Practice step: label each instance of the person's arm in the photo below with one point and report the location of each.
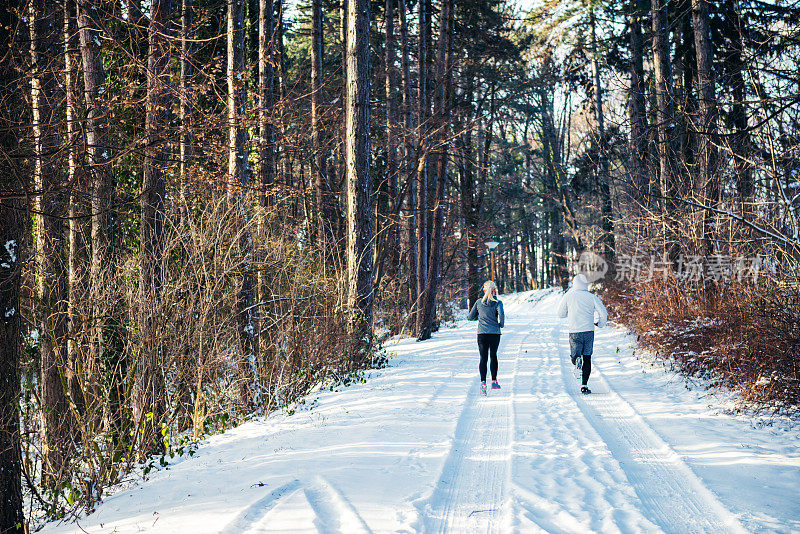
(501, 316)
(473, 313)
(601, 311)
(561, 311)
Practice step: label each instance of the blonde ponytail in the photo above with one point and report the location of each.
(489, 292)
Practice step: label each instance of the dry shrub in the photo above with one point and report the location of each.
(746, 338)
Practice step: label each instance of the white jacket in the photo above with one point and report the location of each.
(578, 305)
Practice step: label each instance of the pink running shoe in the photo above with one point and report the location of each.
(483, 388)
(495, 385)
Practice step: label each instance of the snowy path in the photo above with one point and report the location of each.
(416, 450)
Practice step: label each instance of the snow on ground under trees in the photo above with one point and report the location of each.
(415, 449)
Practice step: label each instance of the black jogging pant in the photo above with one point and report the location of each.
(487, 344)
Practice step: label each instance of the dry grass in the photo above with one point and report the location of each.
(746, 338)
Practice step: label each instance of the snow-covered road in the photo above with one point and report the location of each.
(415, 449)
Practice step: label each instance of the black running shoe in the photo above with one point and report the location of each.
(585, 390)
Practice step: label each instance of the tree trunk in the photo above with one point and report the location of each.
(665, 113)
(185, 112)
(106, 343)
(266, 145)
(739, 143)
(391, 139)
(606, 210)
(321, 223)
(607, 220)
(12, 231)
(442, 112)
(238, 181)
(359, 181)
(149, 388)
(410, 215)
(641, 184)
(77, 259)
(422, 166)
(707, 116)
(51, 271)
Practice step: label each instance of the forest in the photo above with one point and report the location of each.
(210, 207)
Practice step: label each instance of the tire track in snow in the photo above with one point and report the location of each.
(673, 496)
(249, 519)
(565, 479)
(471, 494)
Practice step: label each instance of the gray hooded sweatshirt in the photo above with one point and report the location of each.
(490, 316)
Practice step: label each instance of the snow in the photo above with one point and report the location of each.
(416, 449)
(11, 247)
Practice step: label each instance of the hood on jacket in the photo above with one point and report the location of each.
(580, 283)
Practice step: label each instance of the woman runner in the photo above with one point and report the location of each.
(488, 311)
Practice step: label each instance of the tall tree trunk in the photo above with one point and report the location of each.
(238, 181)
(12, 230)
(185, 111)
(606, 210)
(51, 271)
(739, 141)
(641, 184)
(266, 145)
(106, 350)
(442, 111)
(321, 222)
(77, 259)
(665, 115)
(359, 181)
(707, 115)
(149, 388)
(422, 165)
(391, 137)
(409, 215)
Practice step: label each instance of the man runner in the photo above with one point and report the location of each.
(579, 306)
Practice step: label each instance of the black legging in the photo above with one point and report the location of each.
(586, 369)
(488, 343)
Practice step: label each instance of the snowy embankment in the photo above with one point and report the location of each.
(415, 449)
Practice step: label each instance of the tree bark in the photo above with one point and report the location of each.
(77, 258)
(321, 223)
(49, 207)
(442, 111)
(106, 343)
(740, 142)
(606, 209)
(359, 181)
(392, 173)
(641, 184)
(12, 231)
(665, 107)
(707, 115)
(238, 181)
(409, 215)
(149, 388)
(185, 112)
(422, 165)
